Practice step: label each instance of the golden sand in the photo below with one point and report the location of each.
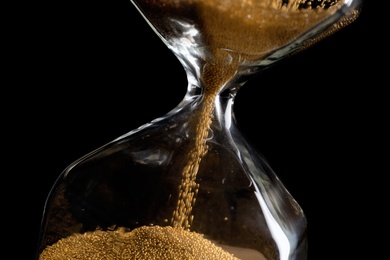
(165, 243)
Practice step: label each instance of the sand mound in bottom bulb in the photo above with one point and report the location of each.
(153, 242)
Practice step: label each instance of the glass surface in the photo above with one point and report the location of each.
(188, 185)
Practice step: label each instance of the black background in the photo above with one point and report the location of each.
(85, 72)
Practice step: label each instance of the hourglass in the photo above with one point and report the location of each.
(188, 185)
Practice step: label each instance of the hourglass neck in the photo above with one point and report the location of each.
(222, 72)
(211, 94)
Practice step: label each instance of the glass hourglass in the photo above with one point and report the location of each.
(188, 185)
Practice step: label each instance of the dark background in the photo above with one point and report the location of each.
(90, 71)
